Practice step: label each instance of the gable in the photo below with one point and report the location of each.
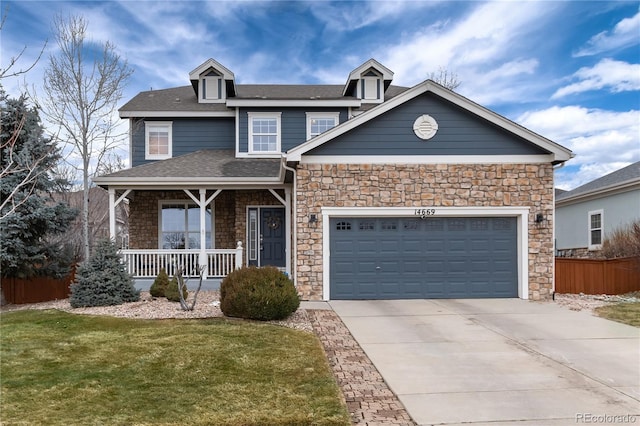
(460, 132)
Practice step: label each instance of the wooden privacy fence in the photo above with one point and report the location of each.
(597, 276)
(36, 289)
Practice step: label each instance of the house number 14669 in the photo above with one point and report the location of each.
(425, 212)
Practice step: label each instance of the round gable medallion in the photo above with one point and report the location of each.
(425, 127)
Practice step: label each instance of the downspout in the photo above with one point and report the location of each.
(294, 249)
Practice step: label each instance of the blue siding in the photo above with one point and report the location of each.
(459, 133)
(293, 123)
(189, 135)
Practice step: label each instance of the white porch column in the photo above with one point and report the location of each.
(287, 229)
(203, 233)
(112, 214)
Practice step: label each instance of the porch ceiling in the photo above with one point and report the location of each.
(200, 167)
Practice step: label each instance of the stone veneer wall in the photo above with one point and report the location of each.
(442, 185)
(143, 218)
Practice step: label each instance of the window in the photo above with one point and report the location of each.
(371, 88)
(595, 230)
(264, 132)
(158, 140)
(180, 226)
(211, 88)
(320, 122)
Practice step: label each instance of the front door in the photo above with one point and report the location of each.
(269, 236)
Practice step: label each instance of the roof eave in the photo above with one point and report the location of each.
(613, 189)
(138, 114)
(560, 153)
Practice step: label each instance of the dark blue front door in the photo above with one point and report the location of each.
(271, 237)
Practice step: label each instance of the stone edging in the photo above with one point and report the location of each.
(368, 398)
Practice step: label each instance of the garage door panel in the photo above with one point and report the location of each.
(390, 258)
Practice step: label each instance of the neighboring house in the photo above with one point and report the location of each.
(587, 214)
(358, 191)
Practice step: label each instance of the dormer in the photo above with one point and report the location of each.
(368, 82)
(213, 82)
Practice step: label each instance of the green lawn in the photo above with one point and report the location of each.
(66, 369)
(627, 313)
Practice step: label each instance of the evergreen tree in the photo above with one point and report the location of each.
(28, 214)
(103, 280)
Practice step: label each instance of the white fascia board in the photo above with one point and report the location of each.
(211, 63)
(559, 153)
(387, 74)
(231, 102)
(187, 114)
(425, 159)
(161, 182)
(618, 188)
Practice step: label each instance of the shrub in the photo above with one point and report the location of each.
(622, 242)
(102, 280)
(258, 293)
(160, 284)
(171, 291)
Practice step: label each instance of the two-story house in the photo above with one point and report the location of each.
(358, 191)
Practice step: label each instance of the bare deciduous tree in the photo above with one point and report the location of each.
(446, 78)
(10, 164)
(83, 84)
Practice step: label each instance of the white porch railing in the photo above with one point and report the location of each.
(148, 263)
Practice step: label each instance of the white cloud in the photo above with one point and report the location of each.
(617, 76)
(623, 35)
(483, 48)
(601, 140)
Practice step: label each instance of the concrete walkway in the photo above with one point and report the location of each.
(500, 361)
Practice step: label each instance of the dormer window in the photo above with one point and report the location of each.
(370, 86)
(368, 82)
(212, 82)
(211, 87)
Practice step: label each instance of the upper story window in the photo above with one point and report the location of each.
(264, 132)
(157, 140)
(320, 122)
(370, 86)
(595, 230)
(212, 87)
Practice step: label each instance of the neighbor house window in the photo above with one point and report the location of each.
(595, 230)
(180, 226)
(264, 132)
(320, 122)
(158, 140)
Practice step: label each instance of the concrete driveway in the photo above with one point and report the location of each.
(500, 361)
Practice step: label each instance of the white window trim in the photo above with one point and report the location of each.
(190, 203)
(201, 89)
(278, 118)
(589, 229)
(376, 99)
(521, 213)
(314, 115)
(147, 125)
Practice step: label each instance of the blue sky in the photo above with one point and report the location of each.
(569, 70)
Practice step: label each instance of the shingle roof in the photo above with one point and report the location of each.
(183, 99)
(213, 164)
(626, 174)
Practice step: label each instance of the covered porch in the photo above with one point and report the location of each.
(222, 214)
